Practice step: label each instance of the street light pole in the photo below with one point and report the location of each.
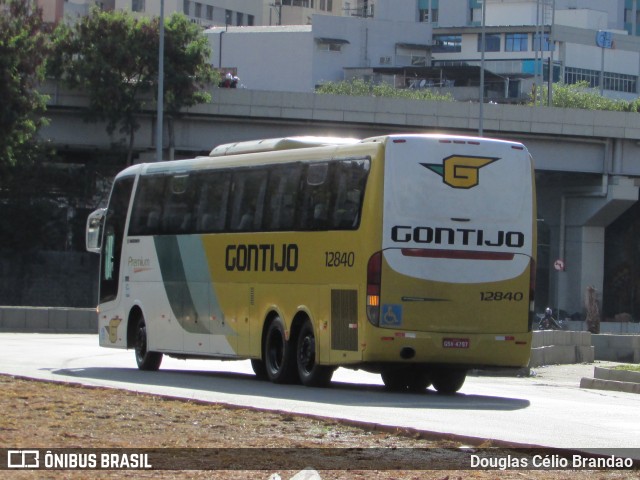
(482, 49)
(159, 119)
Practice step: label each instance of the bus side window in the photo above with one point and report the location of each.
(282, 197)
(177, 217)
(147, 206)
(316, 197)
(350, 181)
(212, 201)
(249, 187)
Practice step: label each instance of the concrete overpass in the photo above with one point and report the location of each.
(587, 162)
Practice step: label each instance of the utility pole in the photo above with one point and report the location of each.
(482, 49)
(159, 114)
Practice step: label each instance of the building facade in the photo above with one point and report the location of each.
(315, 53)
(248, 13)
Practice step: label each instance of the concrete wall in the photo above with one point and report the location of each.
(617, 348)
(550, 347)
(48, 320)
(51, 279)
(607, 327)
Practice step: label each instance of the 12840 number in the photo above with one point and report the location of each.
(339, 259)
(501, 296)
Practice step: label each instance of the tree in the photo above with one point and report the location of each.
(114, 58)
(186, 69)
(110, 56)
(23, 48)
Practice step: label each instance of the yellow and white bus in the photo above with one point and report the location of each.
(407, 255)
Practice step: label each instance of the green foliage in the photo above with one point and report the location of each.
(187, 71)
(579, 95)
(113, 56)
(358, 87)
(23, 47)
(110, 56)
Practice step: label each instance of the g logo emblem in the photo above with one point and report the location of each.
(460, 171)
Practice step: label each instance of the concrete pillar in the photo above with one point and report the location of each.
(584, 217)
(584, 261)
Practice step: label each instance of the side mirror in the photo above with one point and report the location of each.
(95, 222)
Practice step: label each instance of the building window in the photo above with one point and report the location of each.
(198, 12)
(137, 5)
(516, 42)
(475, 16)
(491, 42)
(251, 20)
(186, 7)
(628, 15)
(424, 15)
(239, 18)
(330, 44)
(546, 46)
(411, 55)
(447, 44)
(618, 82)
(209, 12)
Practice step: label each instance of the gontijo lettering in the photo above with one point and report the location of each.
(264, 257)
(456, 236)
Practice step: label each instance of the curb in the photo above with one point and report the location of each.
(613, 380)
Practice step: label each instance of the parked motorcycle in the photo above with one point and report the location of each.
(547, 322)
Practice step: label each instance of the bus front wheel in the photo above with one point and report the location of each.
(145, 359)
(311, 374)
(448, 381)
(279, 357)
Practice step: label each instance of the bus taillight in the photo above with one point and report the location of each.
(374, 276)
(532, 293)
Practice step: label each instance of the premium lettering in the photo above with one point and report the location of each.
(264, 257)
(456, 236)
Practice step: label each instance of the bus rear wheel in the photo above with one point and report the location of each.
(146, 360)
(410, 379)
(259, 369)
(279, 356)
(448, 381)
(310, 372)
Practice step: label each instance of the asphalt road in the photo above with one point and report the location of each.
(548, 409)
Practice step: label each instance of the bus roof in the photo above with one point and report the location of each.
(284, 143)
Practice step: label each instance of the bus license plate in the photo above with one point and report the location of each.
(455, 343)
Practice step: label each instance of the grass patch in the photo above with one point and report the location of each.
(628, 367)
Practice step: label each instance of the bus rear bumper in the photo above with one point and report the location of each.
(469, 350)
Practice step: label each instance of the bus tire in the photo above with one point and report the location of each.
(310, 372)
(406, 379)
(149, 361)
(419, 380)
(279, 356)
(448, 381)
(394, 379)
(259, 369)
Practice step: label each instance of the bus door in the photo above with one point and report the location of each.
(110, 262)
(458, 235)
